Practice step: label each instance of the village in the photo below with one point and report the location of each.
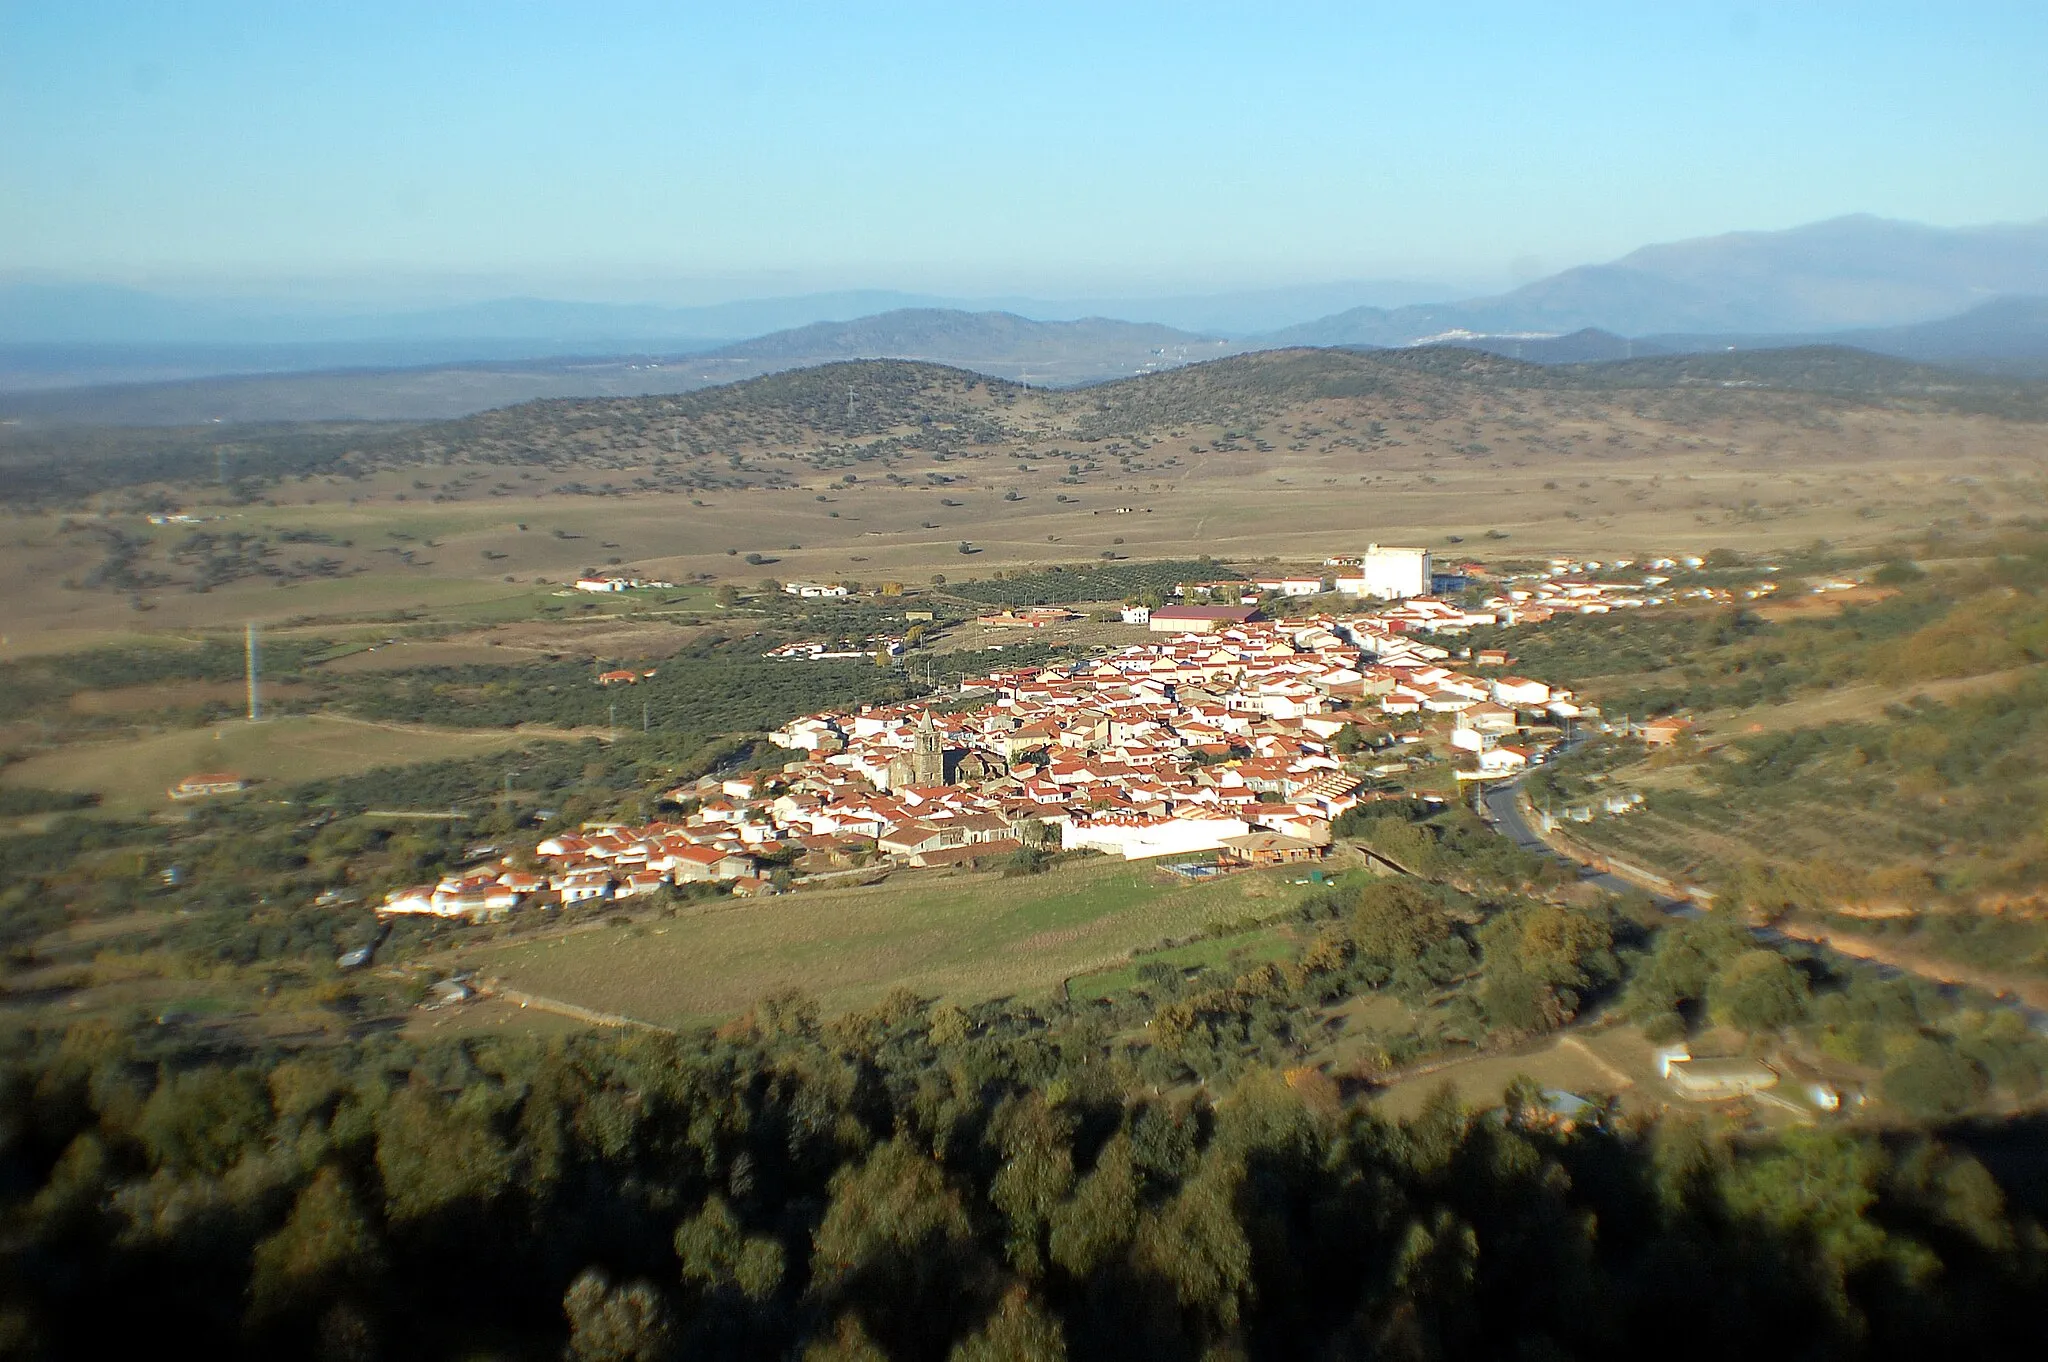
(1224, 736)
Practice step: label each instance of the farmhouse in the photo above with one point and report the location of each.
(208, 783)
(1664, 732)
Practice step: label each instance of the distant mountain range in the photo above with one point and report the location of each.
(2004, 336)
(1957, 296)
(1840, 275)
(1001, 344)
(115, 324)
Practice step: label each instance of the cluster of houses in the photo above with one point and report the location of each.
(605, 583)
(1219, 734)
(1593, 587)
(840, 650)
(1236, 742)
(612, 862)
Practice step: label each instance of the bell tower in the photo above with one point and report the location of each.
(928, 761)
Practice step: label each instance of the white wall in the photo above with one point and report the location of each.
(1175, 837)
(1396, 574)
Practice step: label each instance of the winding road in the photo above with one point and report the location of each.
(1502, 808)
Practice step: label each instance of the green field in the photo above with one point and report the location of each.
(131, 775)
(1240, 951)
(965, 937)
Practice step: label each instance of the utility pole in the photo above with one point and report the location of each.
(643, 716)
(251, 655)
(612, 720)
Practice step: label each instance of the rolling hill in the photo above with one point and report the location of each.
(996, 343)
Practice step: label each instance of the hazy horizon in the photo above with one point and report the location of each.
(384, 156)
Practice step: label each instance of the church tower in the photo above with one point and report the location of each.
(928, 761)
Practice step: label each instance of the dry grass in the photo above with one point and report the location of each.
(1580, 474)
(1852, 704)
(131, 775)
(966, 937)
(1608, 1062)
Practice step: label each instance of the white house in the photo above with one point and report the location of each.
(582, 886)
(1291, 586)
(1503, 760)
(1141, 837)
(1520, 690)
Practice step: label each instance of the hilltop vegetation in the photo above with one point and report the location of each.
(932, 1182)
(803, 411)
(772, 431)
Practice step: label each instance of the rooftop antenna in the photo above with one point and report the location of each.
(252, 652)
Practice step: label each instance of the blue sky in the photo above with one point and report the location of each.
(688, 152)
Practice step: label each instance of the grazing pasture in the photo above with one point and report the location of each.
(964, 937)
(131, 775)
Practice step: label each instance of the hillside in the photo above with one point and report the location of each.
(1434, 379)
(771, 429)
(801, 413)
(997, 343)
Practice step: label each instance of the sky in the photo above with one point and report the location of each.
(687, 153)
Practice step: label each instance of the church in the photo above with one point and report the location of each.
(931, 762)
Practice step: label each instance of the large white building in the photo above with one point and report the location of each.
(1138, 837)
(1392, 574)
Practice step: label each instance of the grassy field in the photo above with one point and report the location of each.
(1239, 952)
(966, 937)
(1498, 472)
(132, 775)
(1606, 1063)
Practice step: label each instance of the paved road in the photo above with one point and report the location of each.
(1503, 811)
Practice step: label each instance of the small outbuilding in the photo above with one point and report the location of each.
(1268, 848)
